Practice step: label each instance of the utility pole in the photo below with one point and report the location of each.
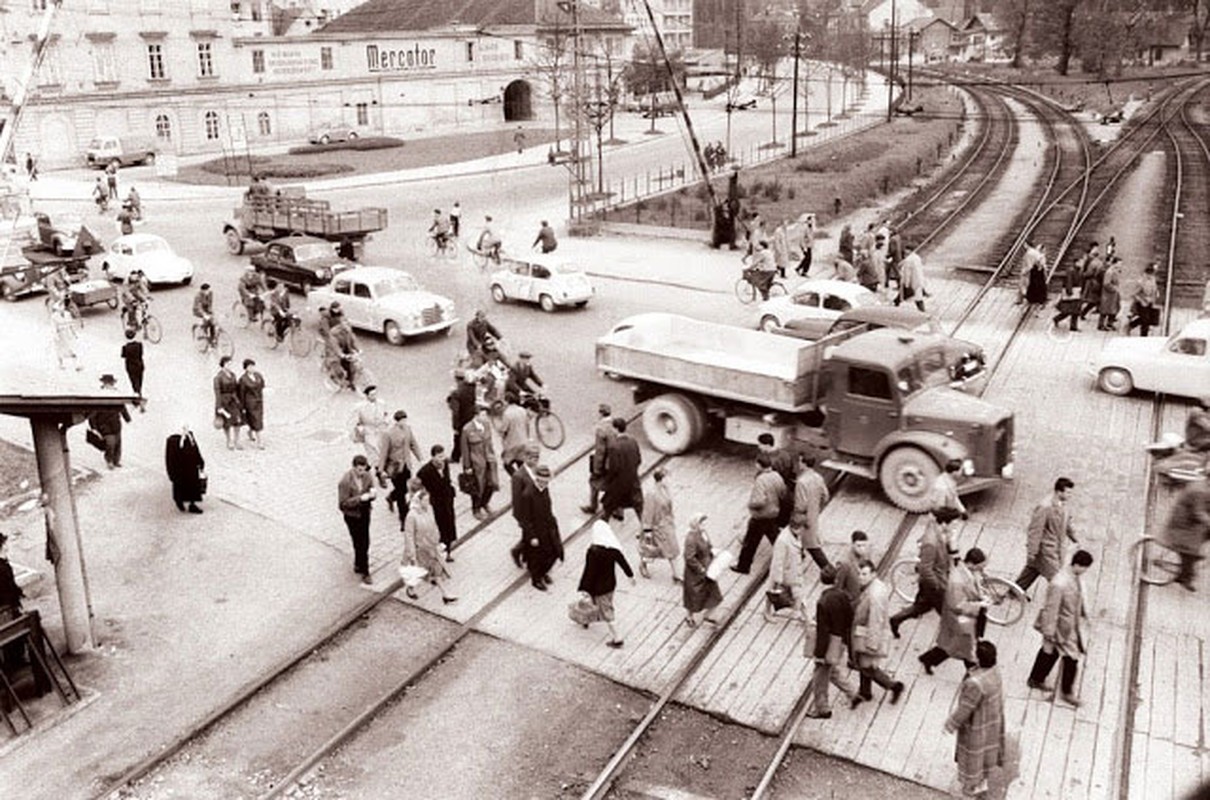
(794, 102)
(577, 150)
(894, 55)
(911, 57)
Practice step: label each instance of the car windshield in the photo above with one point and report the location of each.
(566, 269)
(395, 284)
(314, 251)
(151, 246)
(96, 144)
(865, 299)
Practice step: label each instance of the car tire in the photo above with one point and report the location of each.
(498, 293)
(547, 303)
(325, 139)
(150, 160)
(393, 334)
(1116, 381)
(768, 323)
(187, 281)
(56, 245)
(907, 474)
(235, 242)
(673, 423)
(7, 293)
(352, 136)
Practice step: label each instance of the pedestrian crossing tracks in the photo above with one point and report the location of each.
(757, 670)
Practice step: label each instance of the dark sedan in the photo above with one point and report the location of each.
(300, 262)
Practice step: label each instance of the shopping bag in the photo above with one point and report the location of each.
(583, 611)
(467, 483)
(412, 575)
(780, 597)
(648, 549)
(719, 565)
(95, 439)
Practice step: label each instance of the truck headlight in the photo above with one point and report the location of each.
(968, 467)
(1006, 472)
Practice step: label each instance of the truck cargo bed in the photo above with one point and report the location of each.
(748, 366)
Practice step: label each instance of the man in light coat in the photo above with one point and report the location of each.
(1049, 525)
(1188, 528)
(764, 505)
(602, 434)
(870, 643)
(1060, 623)
(397, 448)
(810, 496)
(932, 569)
(513, 426)
(964, 613)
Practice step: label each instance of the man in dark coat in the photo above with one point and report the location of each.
(623, 488)
(354, 494)
(107, 422)
(132, 357)
(833, 627)
(435, 475)
(523, 487)
(603, 434)
(461, 401)
(186, 469)
(543, 544)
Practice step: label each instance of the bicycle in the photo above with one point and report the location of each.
(298, 342)
(140, 319)
(1159, 564)
(747, 290)
(447, 246)
(484, 257)
(243, 317)
(1008, 601)
(547, 423)
(336, 378)
(215, 339)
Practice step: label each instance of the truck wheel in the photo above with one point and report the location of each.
(769, 323)
(235, 244)
(1115, 380)
(907, 475)
(391, 330)
(673, 423)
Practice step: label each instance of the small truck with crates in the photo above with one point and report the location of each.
(880, 404)
(267, 214)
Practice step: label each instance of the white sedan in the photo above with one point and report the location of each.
(149, 253)
(388, 301)
(548, 284)
(1178, 364)
(823, 300)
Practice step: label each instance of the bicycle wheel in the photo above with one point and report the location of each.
(152, 330)
(745, 291)
(430, 246)
(331, 373)
(480, 258)
(450, 250)
(777, 288)
(269, 330)
(1159, 564)
(239, 313)
(550, 430)
(905, 579)
(223, 343)
(201, 342)
(1008, 601)
(300, 343)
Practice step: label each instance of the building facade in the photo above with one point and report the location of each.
(209, 76)
(673, 17)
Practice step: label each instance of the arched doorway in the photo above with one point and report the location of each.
(517, 104)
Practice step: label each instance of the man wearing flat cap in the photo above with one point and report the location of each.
(523, 486)
(522, 379)
(396, 449)
(602, 438)
(107, 422)
(543, 544)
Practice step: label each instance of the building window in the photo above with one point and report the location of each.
(211, 122)
(325, 58)
(470, 51)
(205, 60)
(363, 113)
(39, 5)
(49, 70)
(518, 50)
(258, 61)
(163, 127)
(263, 124)
(155, 61)
(103, 64)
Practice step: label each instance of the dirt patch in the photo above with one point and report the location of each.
(18, 473)
(410, 154)
(701, 755)
(854, 170)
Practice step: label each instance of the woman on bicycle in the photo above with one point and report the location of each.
(761, 269)
(251, 287)
(203, 309)
(344, 344)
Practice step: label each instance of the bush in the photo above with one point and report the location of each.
(772, 190)
(237, 166)
(360, 143)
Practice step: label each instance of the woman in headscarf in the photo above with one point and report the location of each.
(226, 402)
(658, 536)
(370, 422)
(599, 578)
(700, 593)
(186, 470)
(422, 541)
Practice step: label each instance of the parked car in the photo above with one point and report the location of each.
(60, 234)
(1177, 364)
(742, 103)
(335, 132)
(19, 277)
(547, 283)
(300, 261)
(122, 150)
(149, 253)
(821, 299)
(905, 318)
(387, 300)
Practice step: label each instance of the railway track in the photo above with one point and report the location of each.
(1188, 240)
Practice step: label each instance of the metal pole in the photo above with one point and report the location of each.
(911, 57)
(890, 94)
(577, 66)
(794, 100)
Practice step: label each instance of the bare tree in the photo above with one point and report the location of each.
(551, 64)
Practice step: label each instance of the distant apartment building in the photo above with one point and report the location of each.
(716, 24)
(209, 76)
(673, 17)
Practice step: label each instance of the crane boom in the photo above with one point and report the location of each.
(9, 131)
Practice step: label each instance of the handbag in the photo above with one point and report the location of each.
(648, 549)
(467, 483)
(780, 596)
(203, 483)
(219, 421)
(719, 565)
(583, 611)
(412, 575)
(95, 439)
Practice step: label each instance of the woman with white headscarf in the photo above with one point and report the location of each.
(599, 578)
(700, 592)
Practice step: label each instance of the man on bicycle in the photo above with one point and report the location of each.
(343, 343)
(251, 288)
(480, 337)
(279, 308)
(135, 295)
(203, 309)
(440, 229)
(489, 242)
(761, 269)
(523, 380)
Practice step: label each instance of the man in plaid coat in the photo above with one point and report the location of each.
(978, 719)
